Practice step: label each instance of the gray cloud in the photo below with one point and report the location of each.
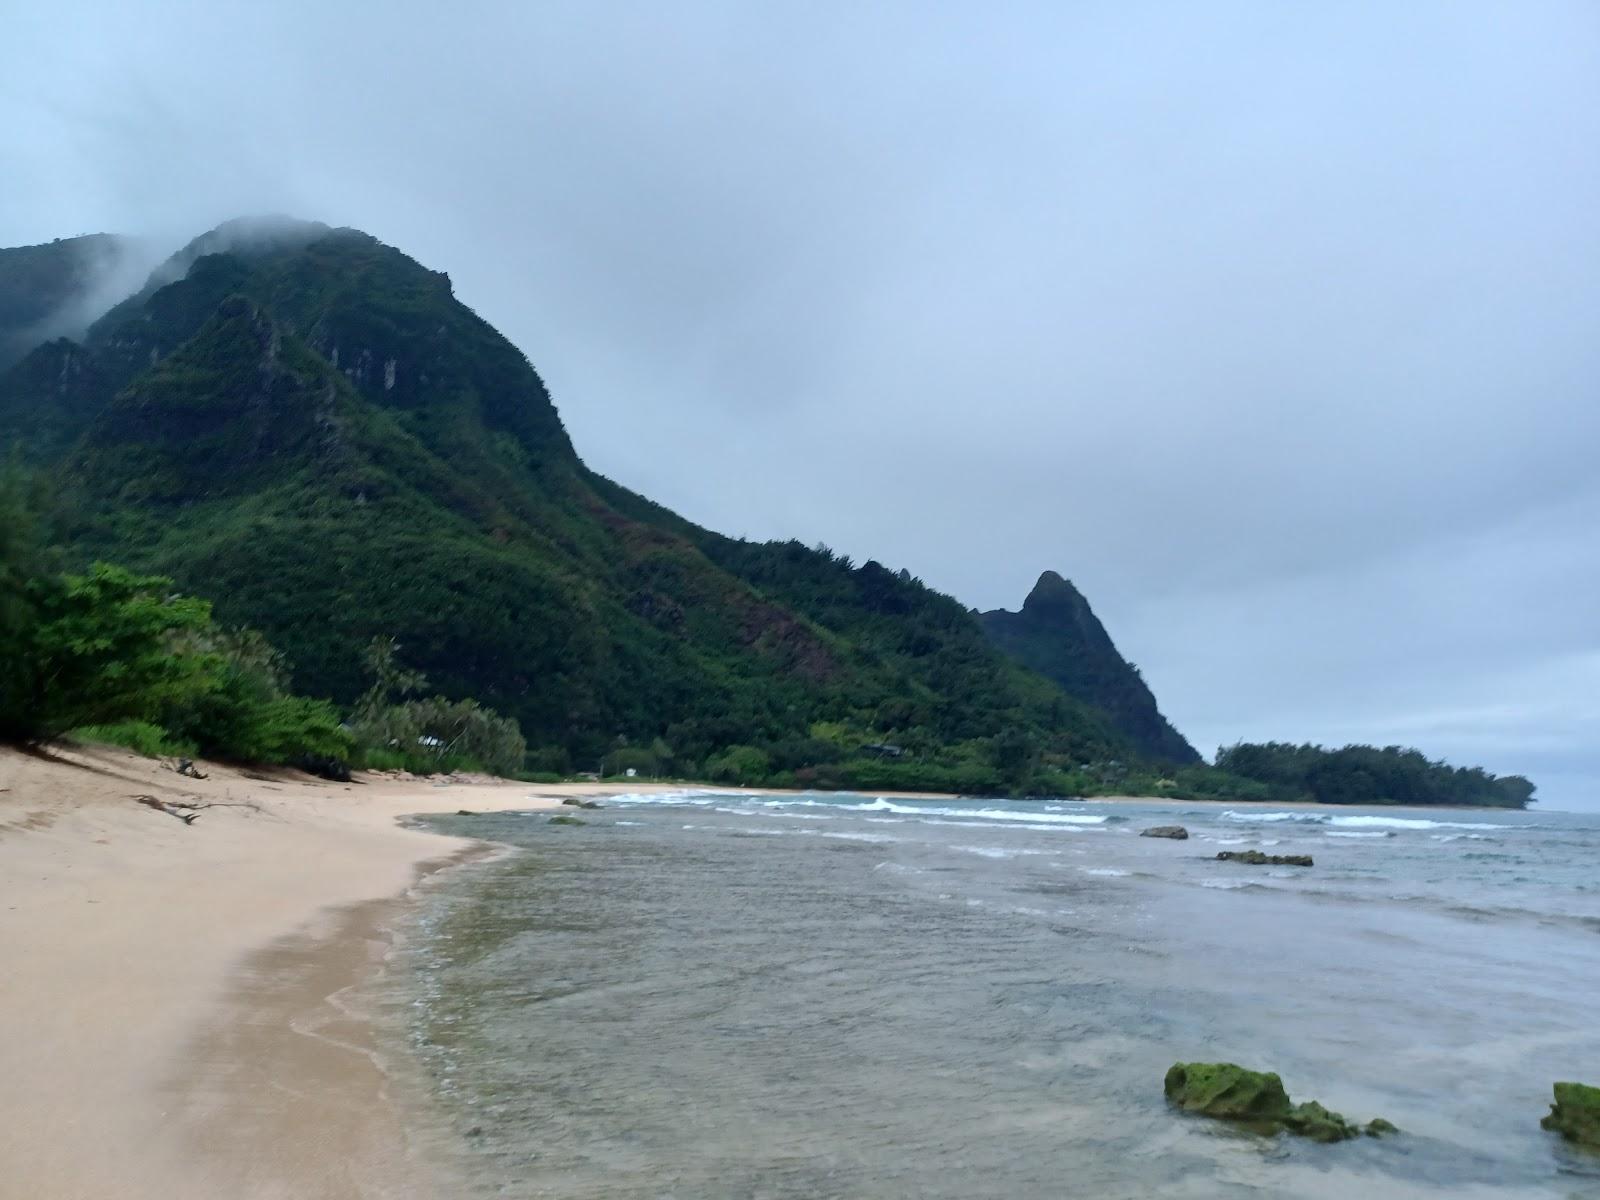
(1272, 327)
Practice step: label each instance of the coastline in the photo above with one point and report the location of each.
(175, 999)
(171, 993)
(172, 998)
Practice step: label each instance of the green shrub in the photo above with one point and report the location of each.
(141, 737)
(380, 758)
(96, 649)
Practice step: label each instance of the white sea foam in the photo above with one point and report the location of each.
(1311, 818)
(862, 837)
(1357, 822)
(681, 796)
(1411, 823)
(1112, 872)
(1225, 885)
(1358, 833)
(1040, 817)
(1000, 851)
(1035, 828)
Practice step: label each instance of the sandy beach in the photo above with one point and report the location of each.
(170, 999)
(173, 999)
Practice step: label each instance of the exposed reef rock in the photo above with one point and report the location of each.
(567, 821)
(1256, 1100)
(1176, 832)
(1575, 1115)
(1257, 859)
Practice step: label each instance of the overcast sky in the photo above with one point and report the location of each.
(1275, 327)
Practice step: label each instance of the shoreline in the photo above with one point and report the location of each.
(171, 994)
(177, 995)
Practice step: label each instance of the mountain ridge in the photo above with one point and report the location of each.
(309, 427)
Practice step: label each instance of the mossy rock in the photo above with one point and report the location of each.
(1228, 1091)
(1257, 859)
(1256, 1099)
(1575, 1115)
(1311, 1120)
(567, 821)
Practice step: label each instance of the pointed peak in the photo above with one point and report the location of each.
(1052, 590)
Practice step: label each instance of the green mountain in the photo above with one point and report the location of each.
(307, 427)
(1058, 635)
(53, 289)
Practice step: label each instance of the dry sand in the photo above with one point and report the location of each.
(171, 1020)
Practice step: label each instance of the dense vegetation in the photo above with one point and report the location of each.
(306, 427)
(124, 656)
(116, 657)
(1058, 635)
(1367, 775)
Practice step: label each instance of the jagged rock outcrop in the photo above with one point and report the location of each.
(1176, 832)
(1057, 634)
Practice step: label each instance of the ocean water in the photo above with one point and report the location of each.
(840, 996)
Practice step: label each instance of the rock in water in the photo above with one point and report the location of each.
(1228, 1091)
(1176, 832)
(1575, 1115)
(1257, 859)
(1256, 1099)
(1311, 1120)
(567, 821)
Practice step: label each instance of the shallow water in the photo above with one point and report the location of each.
(712, 996)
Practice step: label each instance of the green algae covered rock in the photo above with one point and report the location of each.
(1256, 1099)
(1311, 1120)
(1257, 859)
(1227, 1091)
(1575, 1115)
(567, 821)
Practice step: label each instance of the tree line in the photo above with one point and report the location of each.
(1367, 775)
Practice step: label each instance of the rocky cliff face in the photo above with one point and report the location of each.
(1058, 635)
